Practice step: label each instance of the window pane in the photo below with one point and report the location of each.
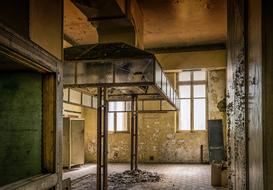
(184, 76)
(128, 106)
(110, 121)
(185, 115)
(75, 96)
(120, 106)
(111, 106)
(199, 91)
(199, 114)
(121, 121)
(86, 100)
(184, 91)
(95, 102)
(199, 75)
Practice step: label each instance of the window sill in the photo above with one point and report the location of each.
(192, 131)
(118, 132)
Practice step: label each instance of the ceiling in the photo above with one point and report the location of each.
(167, 23)
(76, 25)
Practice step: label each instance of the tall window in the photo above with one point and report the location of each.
(192, 95)
(118, 120)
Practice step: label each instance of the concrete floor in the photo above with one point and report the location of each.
(175, 177)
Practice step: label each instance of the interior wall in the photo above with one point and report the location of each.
(192, 60)
(217, 97)
(46, 25)
(21, 126)
(158, 139)
(236, 95)
(70, 110)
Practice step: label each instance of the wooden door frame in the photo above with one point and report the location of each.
(29, 54)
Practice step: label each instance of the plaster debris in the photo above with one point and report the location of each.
(135, 176)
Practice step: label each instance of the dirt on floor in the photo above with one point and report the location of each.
(121, 180)
(172, 177)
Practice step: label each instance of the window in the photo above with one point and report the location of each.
(117, 118)
(192, 97)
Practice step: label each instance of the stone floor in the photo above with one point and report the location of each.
(175, 177)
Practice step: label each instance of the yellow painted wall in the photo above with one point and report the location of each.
(158, 139)
(46, 25)
(192, 60)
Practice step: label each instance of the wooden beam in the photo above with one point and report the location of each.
(18, 48)
(177, 49)
(48, 123)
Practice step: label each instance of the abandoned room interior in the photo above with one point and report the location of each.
(136, 94)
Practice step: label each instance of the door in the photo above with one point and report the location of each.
(215, 140)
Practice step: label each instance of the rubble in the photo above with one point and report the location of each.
(134, 176)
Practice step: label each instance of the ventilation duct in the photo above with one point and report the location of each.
(115, 20)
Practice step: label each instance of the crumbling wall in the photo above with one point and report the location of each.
(236, 95)
(217, 97)
(90, 134)
(158, 139)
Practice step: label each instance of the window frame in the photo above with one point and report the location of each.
(115, 120)
(191, 82)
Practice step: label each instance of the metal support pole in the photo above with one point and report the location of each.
(102, 136)
(105, 139)
(136, 133)
(132, 133)
(99, 127)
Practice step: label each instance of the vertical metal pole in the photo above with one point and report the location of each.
(136, 133)
(201, 153)
(99, 127)
(105, 138)
(132, 133)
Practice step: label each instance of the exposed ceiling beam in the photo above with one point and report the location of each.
(177, 49)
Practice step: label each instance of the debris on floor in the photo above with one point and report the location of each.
(134, 176)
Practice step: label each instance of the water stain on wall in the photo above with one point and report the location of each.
(159, 142)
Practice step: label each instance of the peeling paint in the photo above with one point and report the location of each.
(158, 140)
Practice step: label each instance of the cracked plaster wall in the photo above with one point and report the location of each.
(158, 139)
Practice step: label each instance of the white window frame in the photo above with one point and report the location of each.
(127, 130)
(192, 83)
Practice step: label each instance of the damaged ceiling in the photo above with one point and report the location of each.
(167, 23)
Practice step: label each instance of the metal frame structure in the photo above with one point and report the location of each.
(102, 138)
(134, 133)
(116, 72)
(162, 107)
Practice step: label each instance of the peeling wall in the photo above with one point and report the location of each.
(217, 97)
(158, 139)
(236, 95)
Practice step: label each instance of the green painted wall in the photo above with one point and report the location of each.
(20, 126)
